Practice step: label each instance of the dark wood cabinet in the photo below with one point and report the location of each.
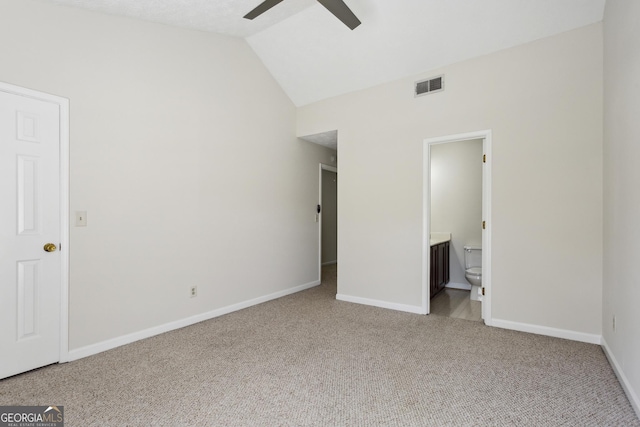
(439, 276)
(432, 271)
(445, 263)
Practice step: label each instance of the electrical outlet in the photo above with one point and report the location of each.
(194, 291)
(614, 323)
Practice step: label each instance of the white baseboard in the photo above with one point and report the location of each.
(382, 304)
(624, 381)
(92, 349)
(330, 262)
(545, 330)
(463, 286)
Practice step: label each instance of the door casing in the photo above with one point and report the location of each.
(485, 135)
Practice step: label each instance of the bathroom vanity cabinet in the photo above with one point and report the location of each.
(439, 267)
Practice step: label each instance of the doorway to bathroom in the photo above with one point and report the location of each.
(457, 226)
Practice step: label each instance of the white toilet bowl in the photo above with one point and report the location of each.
(474, 277)
(473, 270)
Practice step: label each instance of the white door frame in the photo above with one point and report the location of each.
(63, 104)
(485, 135)
(330, 169)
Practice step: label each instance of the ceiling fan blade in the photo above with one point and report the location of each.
(261, 8)
(342, 12)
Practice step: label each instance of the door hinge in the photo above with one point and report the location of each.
(484, 158)
(484, 225)
(483, 290)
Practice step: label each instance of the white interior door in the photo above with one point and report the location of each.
(30, 277)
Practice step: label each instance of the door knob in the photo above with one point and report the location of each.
(49, 247)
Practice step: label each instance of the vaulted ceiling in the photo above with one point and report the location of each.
(314, 56)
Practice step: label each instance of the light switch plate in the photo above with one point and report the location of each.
(81, 218)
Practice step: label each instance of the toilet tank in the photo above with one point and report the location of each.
(472, 256)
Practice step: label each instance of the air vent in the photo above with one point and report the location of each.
(434, 84)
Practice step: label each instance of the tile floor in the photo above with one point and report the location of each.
(456, 303)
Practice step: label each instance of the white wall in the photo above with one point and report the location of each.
(543, 102)
(183, 154)
(329, 217)
(621, 291)
(456, 199)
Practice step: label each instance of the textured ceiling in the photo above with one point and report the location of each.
(218, 16)
(314, 56)
(329, 139)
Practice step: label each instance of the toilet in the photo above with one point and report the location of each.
(473, 270)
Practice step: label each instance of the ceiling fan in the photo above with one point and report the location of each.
(337, 7)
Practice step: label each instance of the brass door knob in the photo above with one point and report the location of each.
(49, 247)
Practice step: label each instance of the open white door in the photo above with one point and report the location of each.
(31, 265)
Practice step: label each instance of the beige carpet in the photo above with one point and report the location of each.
(309, 360)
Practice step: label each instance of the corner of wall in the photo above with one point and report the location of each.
(634, 400)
